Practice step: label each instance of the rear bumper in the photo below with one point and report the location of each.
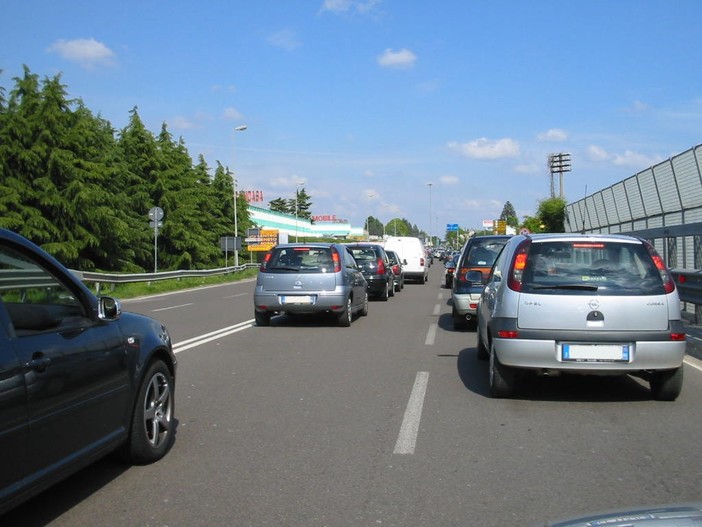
(272, 302)
(539, 349)
(376, 285)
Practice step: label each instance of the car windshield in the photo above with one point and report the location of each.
(602, 267)
(301, 259)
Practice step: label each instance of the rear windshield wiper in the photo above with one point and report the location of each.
(574, 287)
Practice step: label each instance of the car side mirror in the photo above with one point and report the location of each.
(109, 308)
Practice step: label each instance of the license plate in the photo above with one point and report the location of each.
(596, 352)
(297, 299)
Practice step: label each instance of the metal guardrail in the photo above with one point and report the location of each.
(689, 284)
(112, 278)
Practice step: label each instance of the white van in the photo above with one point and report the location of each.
(412, 255)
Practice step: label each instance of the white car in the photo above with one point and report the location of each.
(413, 256)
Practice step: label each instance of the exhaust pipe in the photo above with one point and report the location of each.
(468, 317)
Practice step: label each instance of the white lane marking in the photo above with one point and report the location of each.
(431, 335)
(407, 439)
(209, 337)
(171, 307)
(236, 295)
(441, 295)
(437, 309)
(692, 361)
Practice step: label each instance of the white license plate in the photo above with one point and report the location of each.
(596, 352)
(297, 299)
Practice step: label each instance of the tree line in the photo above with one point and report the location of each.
(82, 190)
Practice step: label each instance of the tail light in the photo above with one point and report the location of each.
(516, 270)
(336, 259)
(381, 266)
(264, 263)
(396, 269)
(421, 262)
(668, 282)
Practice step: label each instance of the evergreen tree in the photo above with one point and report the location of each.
(509, 215)
(280, 205)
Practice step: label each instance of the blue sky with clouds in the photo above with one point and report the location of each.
(367, 102)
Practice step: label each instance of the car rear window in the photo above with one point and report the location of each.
(482, 253)
(605, 268)
(301, 260)
(364, 254)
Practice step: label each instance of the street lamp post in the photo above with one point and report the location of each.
(429, 185)
(297, 197)
(236, 225)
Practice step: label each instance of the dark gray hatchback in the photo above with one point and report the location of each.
(78, 377)
(310, 278)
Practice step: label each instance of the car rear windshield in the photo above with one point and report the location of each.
(364, 254)
(605, 268)
(301, 260)
(482, 253)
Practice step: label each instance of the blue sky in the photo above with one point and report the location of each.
(364, 103)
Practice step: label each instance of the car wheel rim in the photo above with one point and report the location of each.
(157, 410)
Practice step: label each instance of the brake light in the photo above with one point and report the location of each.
(336, 259)
(421, 262)
(381, 266)
(519, 261)
(668, 282)
(396, 269)
(508, 334)
(264, 263)
(677, 336)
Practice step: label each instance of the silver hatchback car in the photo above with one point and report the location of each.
(597, 304)
(310, 278)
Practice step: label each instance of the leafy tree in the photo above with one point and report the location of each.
(551, 213)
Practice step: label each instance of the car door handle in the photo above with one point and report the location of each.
(38, 363)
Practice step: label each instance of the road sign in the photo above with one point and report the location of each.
(452, 227)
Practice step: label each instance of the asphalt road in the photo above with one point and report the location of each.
(385, 423)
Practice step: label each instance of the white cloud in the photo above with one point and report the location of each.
(554, 134)
(527, 169)
(486, 149)
(635, 159)
(182, 123)
(402, 59)
(286, 39)
(232, 114)
(347, 6)
(628, 158)
(86, 52)
(449, 180)
(637, 107)
(597, 153)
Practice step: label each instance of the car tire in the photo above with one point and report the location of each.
(501, 377)
(666, 385)
(364, 309)
(344, 318)
(153, 425)
(481, 350)
(391, 288)
(457, 322)
(384, 295)
(262, 319)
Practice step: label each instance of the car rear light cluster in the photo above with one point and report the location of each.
(381, 266)
(264, 263)
(336, 259)
(519, 261)
(666, 276)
